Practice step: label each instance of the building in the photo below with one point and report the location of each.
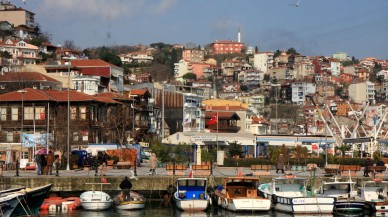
(16, 16)
(181, 68)
(226, 47)
(300, 90)
(342, 56)
(263, 61)
(362, 92)
(22, 52)
(136, 57)
(193, 55)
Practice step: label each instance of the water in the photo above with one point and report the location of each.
(158, 209)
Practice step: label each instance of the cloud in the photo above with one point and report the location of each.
(106, 9)
(163, 6)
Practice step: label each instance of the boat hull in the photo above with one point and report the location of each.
(305, 205)
(245, 204)
(95, 200)
(131, 205)
(32, 201)
(9, 203)
(378, 207)
(191, 205)
(349, 206)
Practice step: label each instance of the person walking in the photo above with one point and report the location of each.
(44, 164)
(153, 163)
(280, 164)
(125, 187)
(50, 161)
(366, 168)
(38, 160)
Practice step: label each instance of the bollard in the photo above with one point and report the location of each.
(17, 167)
(211, 167)
(173, 168)
(1, 170)
(57, 168)
(135, 167)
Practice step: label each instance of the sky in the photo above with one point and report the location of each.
(316, 27)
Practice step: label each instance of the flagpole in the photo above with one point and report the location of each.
(217, 131)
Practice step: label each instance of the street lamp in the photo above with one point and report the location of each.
(68, 116)
(133, 117)
(21, 134)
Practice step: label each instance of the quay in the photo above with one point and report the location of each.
(74, 180)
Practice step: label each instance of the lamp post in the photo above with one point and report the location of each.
(68, 117)
(133, 117)
(21, 134)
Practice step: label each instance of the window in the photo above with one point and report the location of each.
(9, 136)
(3, 114)
(14, 113)
(40, 113)
(73, 113)
(83, 113)
(28, 113)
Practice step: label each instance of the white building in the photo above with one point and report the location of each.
(22, 53)
(136, 57)
(335, 67)
(263, 61)
(193, 113)
(181, 69)
(362, 92)
(300, 90)
(88, 84)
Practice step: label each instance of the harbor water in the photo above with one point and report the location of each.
(159, 209)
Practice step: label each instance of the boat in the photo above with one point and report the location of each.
(136, 202)
(59, 204)
(345, 194)
(374, 193)
(289, 194)
(240, 194)
(191, 194)
(96, 200)
(8, 202)
(32, 200)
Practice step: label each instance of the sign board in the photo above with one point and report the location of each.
(35, 140)
(203, 138)
(144, 144)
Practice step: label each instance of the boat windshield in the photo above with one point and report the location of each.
(336, 187)
(192, 183)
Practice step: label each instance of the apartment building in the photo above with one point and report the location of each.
(193, 55)
(300, 90)
(362, 92)
(22, 52)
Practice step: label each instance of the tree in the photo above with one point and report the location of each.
(305, 154)
(292, 51)
(298, 153)
(111, 58)
(235, 149)
(277, 53)
(5, 56)
(69, 44)
(256, 49)
(190, 76)
(343, 148)
(244, 88)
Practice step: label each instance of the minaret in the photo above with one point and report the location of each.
(239, 36)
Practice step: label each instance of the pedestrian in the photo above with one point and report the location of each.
(153, 163)
(44, 164)
(125, 187)
(366, 168)
(50, 161)
(57, 164)
(38, 160)
(280, 164)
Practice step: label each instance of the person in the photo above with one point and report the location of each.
(153, 163)
(366, 169)
(50, 161)
(280, 164)
(57, 164)
(38, 160)
(44, 164)
(125, 187)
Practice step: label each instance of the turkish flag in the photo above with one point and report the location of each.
(213, 120)
(191, 175)
(42, 116)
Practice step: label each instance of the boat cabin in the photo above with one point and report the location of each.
(191, 188)
(375, 190)
(238, 187)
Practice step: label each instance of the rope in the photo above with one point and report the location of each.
(25, 211)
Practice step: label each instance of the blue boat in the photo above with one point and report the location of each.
(191, 194)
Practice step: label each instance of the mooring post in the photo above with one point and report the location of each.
(135, 168)
(211, 167)
(173, 168)
(17, 167)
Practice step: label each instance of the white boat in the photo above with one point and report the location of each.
(96, 200)
(374, 193)
(9, 201)
(240, 194)
(191, 194)
(136, 202)
(288, 194)
(345, 194)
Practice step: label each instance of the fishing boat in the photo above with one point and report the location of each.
(8, 202)
(374, 193)
(32, 200)
(240, 194)
(289, 194)
(191, 194)
(345, 194)
(136, 202)
(96, 200)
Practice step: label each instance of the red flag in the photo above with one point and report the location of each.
(191, 175)
(213, 120)
(103, 180)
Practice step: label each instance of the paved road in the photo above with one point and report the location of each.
(144, 171)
